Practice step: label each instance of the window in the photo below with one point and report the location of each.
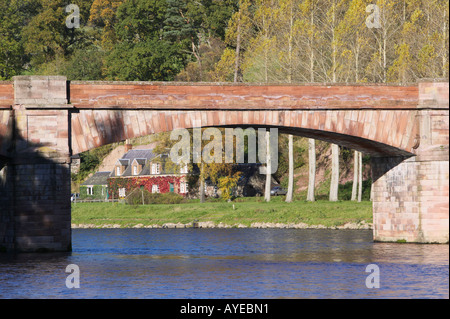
(90, 190)
(184, 169)
(135, 170)
(155, 188)
(121, 192)
(183, 187)
(156, 168)
(118, 170)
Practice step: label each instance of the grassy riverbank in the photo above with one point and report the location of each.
(250, 212)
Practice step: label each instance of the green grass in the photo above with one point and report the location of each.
(246, 212)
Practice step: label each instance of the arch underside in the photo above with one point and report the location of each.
(374, 132)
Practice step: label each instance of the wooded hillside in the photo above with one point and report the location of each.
(227, 40)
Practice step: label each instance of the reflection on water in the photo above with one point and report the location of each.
(228, 263)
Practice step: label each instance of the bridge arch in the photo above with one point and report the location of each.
(375, 132)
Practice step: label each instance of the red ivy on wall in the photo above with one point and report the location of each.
(131, 183)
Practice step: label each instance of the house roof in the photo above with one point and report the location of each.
(99, 178)
(141, 157)
(138, 154)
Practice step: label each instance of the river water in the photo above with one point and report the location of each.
(229, 263)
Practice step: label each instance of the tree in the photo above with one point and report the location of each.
(140, 20)
(206, 69)
(264, 20)
(221, 171)
(103, 16)
(286, 32)
(85, 65)
(151, 60)
(441, 25)
(421, 49)
(291, 170)
(328, 49)
(141, 53)
(210, 59)
(355, 175)
(202, 183)
(334, 173)
(360, 176)
(352, 40)
(47, 39)
(180, 25)
(13, 15)
(307, 39)
(46, 36)
(402, 69)
(216, 15)
(312, 169)
(268, 169)
(207, 154)
(237, 32)
(385, 36)
(227, 184)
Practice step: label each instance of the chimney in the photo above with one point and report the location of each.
(128, 146)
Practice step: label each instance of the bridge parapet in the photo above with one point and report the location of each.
(40, 91)
(242, 96)
(434, 94)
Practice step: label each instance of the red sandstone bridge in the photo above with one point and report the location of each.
(45, 120)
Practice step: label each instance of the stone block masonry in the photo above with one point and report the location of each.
(37, 173)
(410, 201)
(411, 195)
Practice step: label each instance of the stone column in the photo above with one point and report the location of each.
(411, 200)
(40, 164)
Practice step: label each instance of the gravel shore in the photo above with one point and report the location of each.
(209, 224)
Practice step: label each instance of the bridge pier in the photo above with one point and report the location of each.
(39, 212)
(35, 179)
(410, 200)
(411, 195)
(6, 212)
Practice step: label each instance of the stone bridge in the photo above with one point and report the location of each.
(44, 120)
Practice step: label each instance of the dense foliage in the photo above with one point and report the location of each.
(226, 40)
(144, 197)
(144, 183)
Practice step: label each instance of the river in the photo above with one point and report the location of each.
(229, 263)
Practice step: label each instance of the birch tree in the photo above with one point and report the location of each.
(290, 191)
(355, 175)
(384, 36)
(360, 185)
(312, 169)
(334, 173)
(268, 169)
(352, 41)
(237, 34)
(307, 38)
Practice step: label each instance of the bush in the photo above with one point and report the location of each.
(168, 198)
(345, 190)
(139, 197)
